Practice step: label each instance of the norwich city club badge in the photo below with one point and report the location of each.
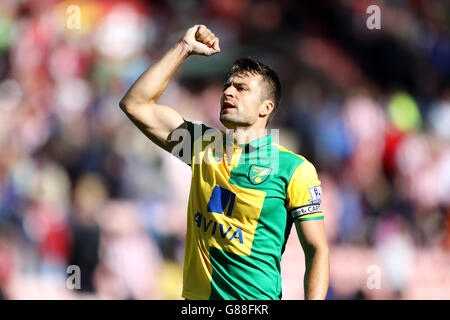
(258, 174)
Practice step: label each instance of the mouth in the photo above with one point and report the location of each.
(226, 105)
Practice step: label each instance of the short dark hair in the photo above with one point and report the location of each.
(270, 77)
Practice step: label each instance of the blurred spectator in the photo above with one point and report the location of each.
(89, 196)
(129, 259)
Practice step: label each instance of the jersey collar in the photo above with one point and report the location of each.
(256, 144)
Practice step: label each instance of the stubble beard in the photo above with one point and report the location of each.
(235, 120)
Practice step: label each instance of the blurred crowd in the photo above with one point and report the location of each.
(80, 185)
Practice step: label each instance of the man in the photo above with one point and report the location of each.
(245, 192)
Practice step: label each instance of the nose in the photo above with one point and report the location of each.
(229, 92)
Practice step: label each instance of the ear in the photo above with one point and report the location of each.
(266, 108)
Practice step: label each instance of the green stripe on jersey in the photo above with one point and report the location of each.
(258, 276)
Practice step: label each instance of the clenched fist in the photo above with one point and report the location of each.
(200, 40)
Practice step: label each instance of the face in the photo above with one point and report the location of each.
(242, 100)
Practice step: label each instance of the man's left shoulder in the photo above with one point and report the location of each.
(290, 158)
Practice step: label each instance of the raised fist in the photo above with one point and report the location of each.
(200, 40)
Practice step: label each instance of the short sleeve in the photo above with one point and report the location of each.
(192, 140)
(304, 194)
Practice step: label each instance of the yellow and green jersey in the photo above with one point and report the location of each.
(242, 205)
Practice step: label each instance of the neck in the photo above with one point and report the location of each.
(243, 135)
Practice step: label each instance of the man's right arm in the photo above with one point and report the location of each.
(157, 121)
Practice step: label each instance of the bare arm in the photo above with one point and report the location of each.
(314, 243)
(157, 121)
